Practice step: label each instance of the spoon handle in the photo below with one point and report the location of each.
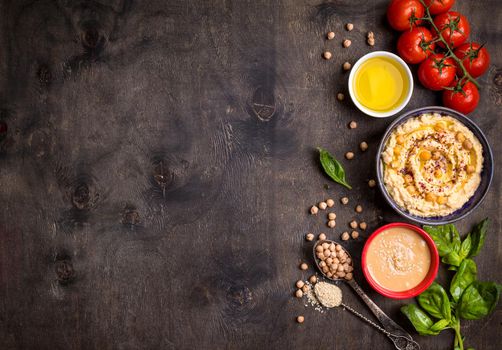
(386, 321)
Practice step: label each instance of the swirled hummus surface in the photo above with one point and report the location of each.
(432, 165)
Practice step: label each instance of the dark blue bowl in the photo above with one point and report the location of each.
(486, 174)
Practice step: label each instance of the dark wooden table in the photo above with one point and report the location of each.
(159, 162)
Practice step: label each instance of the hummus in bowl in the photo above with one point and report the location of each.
(431, 164)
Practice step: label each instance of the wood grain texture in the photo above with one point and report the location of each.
(157, 162)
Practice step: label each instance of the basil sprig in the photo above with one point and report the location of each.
(333, 168)
(467, 299)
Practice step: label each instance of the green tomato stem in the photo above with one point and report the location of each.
(428, 17)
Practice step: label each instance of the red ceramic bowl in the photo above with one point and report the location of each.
(422, 286)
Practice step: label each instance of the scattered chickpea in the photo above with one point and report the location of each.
(340, 96)
(298, 293)
(354, 234)
(323, 205)
(467, 144)
(349, 26)
(331, 216)
(330, 35)
(327, 55)
(470, 169)
(322, 237)
(460, 137)
(371, 183)
(344, 200)
(309, 237)
(346, 66)
(331, 223)
(363, 225)
(313, 279)
(359, 209)
(330, 202)
(300, 319)
(441, 200)
(363, 146)
(349, 155)
(371, 38)
(345, 236)
(314, 210)
(346, 43)
(353, 224)
(425, 155)
(412, 190)
(400, 139)
(299, 284)
(353, 125)
(305, 288)
(430, 197)
(304, 266)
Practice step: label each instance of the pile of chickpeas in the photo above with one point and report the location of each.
(334, 261)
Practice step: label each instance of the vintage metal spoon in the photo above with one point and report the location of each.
(402, 340)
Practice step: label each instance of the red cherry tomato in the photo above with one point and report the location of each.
(454, 27)
(403, 14)
(439, 6)
(463, 98)
(475, 59)
(415, 45)
(437, 72)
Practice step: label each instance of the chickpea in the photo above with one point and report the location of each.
(319, 249)
(299, 284)
(320, 256)
(314, 210)
(330, 35)
(353, 124)
(334, 267)
(425, 155)
(350, 269)
(329, 261)
(363, 146)
(371, 41)
(309, 237)
(331, 216)
(348, 276)
(353, 224)
(340, 268)
(467, 144)
(327, 253)
(349, 261)
(398, 149)
(332, 247)
(359, 209)
(438, 173)
(329, 274)
(325, 269)
(470, 169)
(460, 137)
(298, 293)
(371, 183)
(441, 200)
(322, 236)
(330, 202)
(339, 248)
(305, 288)
(313, 279)
(345, 266)
(340, 274)
(336, 261)
(322, 205)
(354, 234)
(331, 223)
(436, 155)
(345, 236)
(408, 179)
(304, 266)
(412, 190)
(430, 197)
(344, 200)
(363, 225)
(322, 263)
(400, 139)
(440, 126)
(346, 43)
(349, 26)
(327, 55)
(300, 319)
(349, 155)
(340, 96)
(325, 245)
(346, 66)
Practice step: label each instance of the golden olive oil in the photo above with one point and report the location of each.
(380, 84)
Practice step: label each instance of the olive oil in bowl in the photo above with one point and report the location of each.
(380, 84)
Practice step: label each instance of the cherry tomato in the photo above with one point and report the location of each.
(415, 45)
(439, 6)
(403, 14)
(437, 72)
(475, 59)
(454, 27)
(463, 98)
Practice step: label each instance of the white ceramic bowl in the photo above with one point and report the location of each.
(370, 112)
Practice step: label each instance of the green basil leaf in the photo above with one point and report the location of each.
(465, 247)
(478, 300)
(478, 235)
(446, 238)
(333, 168)
(465, 275)
(435, 301)
(452, 259)
(440, 325)
(420, 320)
